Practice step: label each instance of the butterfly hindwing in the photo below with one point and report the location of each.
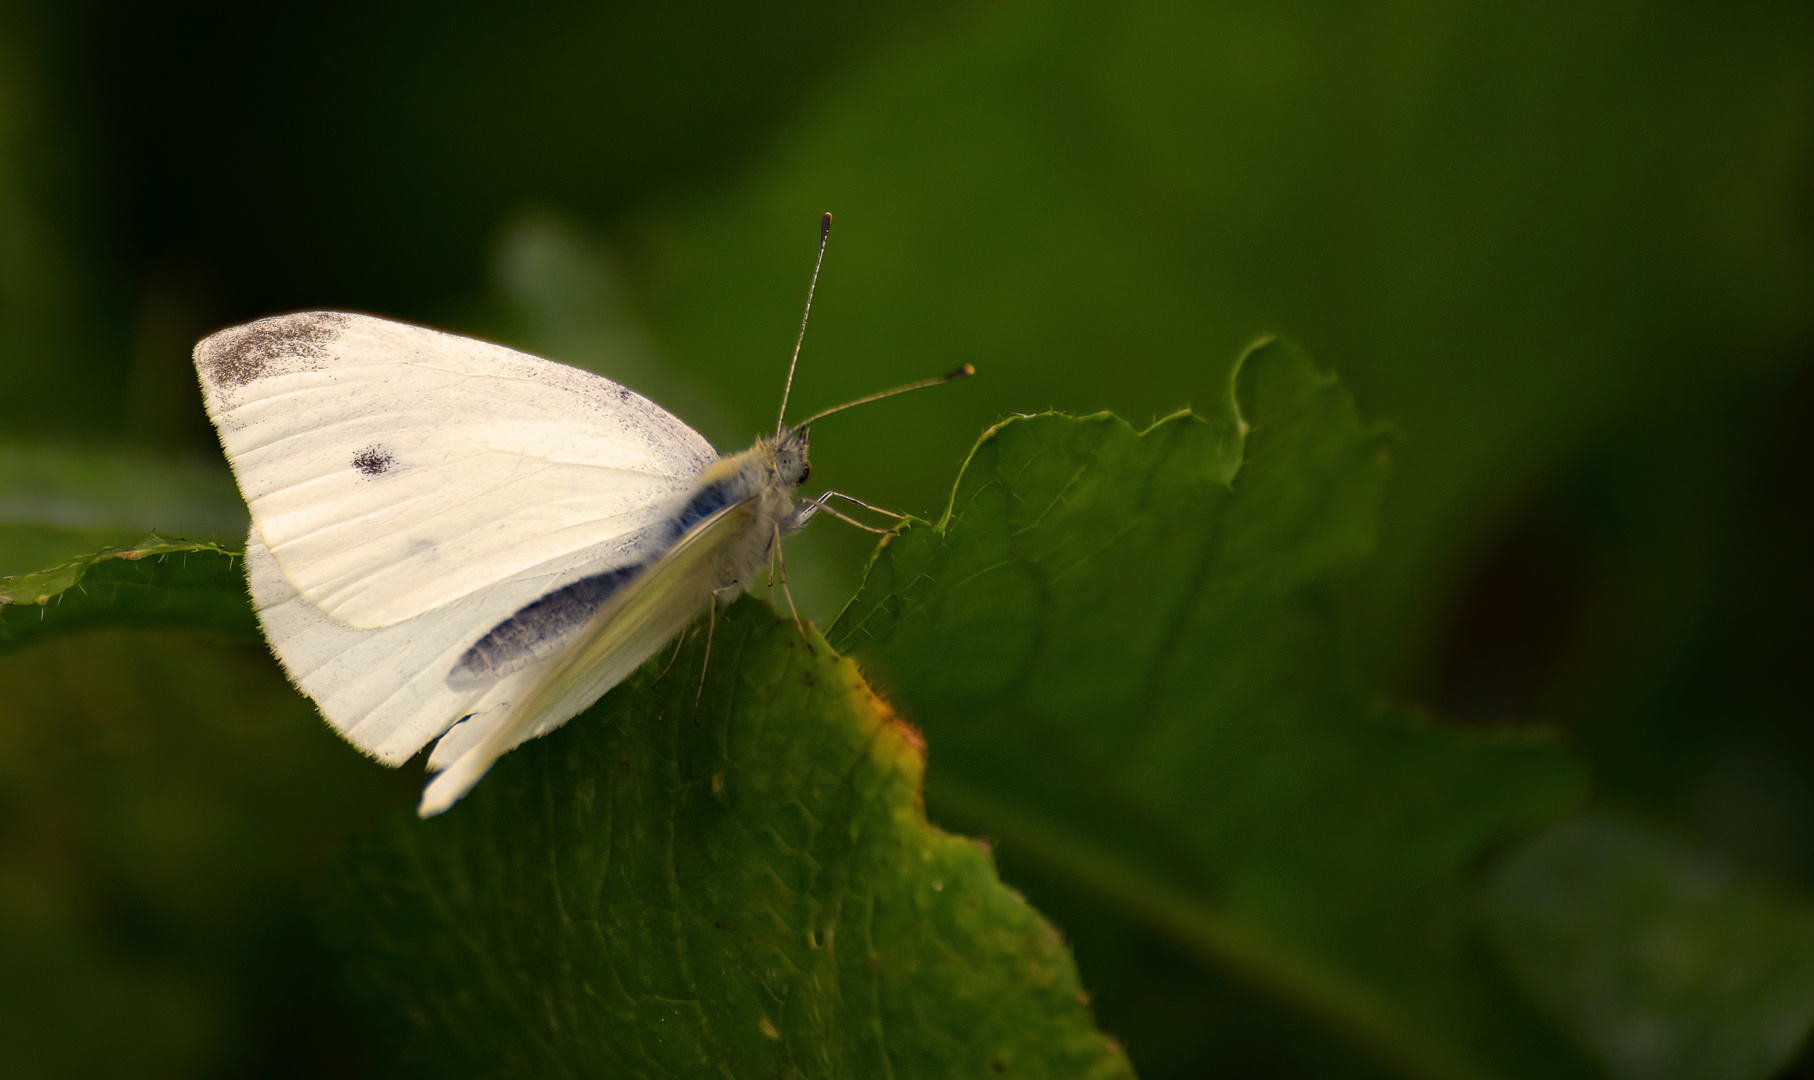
(387, 689)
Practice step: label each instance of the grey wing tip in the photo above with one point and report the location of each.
(241, 354)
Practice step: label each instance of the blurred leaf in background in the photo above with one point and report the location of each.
(1563, 249)
(1654, 954)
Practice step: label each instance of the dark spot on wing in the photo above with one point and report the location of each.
(241, 354)
(374, 461)
(538, 629)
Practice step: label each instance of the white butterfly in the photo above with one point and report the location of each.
(451, 539)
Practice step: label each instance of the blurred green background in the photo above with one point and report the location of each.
(1565, 250)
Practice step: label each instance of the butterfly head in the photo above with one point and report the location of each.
(791, 464)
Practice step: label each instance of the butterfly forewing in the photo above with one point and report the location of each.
(393, 470)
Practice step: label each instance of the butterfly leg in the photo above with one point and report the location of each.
(859, 502)
(679, 641)
(780, 560)
(711, 625)
(848, 520)
(819, 505)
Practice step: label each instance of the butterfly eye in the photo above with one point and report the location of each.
(806, 470)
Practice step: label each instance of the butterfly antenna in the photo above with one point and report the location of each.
(824, 235)
(961, 373)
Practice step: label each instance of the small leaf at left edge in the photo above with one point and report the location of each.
(159, 581)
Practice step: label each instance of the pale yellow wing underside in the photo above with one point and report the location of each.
(626, 632)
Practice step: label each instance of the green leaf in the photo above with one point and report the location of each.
(58, 501)
(86, 514)
(1129, 660)
(1658, 956)
(748, 887)
(158, 581)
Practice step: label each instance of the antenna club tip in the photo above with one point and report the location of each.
(825, 226)
(962, 373)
